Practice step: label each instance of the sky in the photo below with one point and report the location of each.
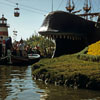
(32, 14)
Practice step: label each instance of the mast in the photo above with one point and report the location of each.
(70, 7)
(86, 7)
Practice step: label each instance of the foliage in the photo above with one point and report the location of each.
(46, 46)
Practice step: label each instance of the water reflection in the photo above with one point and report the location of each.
(62, 93)
(16, 84)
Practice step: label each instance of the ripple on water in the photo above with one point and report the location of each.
(16, 83)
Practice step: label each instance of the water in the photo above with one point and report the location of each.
(63, 93)
(16, 83)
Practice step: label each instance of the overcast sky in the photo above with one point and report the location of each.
(32, 13)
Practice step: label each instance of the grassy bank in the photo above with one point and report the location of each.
(68, 70)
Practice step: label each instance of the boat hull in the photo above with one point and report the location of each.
(23, 61)
(18, 61)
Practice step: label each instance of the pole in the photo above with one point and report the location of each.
(52, 5)
(69, 3)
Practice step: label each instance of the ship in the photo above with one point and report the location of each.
(72, 32)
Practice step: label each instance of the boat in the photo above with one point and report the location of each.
(72, 32)
(31, 59)
(19, 60)
(33, 56)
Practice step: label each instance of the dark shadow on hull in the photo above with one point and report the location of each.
(65, 46)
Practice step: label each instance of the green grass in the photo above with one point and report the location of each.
(69, 68)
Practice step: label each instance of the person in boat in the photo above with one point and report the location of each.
(8, 43)
(21, 48)
(8, 48)
(14, 52)
(36, 50)
(4, 48)
(1, 38)
(28, 49)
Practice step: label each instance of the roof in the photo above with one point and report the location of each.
(3, 18)
(63, 22)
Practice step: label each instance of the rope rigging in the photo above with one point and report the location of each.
(27, 6)
(24, 7)
(12, 3)
(60, 4)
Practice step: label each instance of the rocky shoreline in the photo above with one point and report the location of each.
(75, 81)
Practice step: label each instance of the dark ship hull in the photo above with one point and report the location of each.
(71, 32)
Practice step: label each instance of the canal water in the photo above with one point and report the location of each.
(16, 83)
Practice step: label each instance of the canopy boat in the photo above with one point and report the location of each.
(72, 32)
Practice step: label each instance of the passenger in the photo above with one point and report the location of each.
(9, 49)
(8, 44)
(29, 49)
(37, 51)
(17, 48)
(9, 56)
(3, 48)
(14, 51)
(21, 48)
(1, 38)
